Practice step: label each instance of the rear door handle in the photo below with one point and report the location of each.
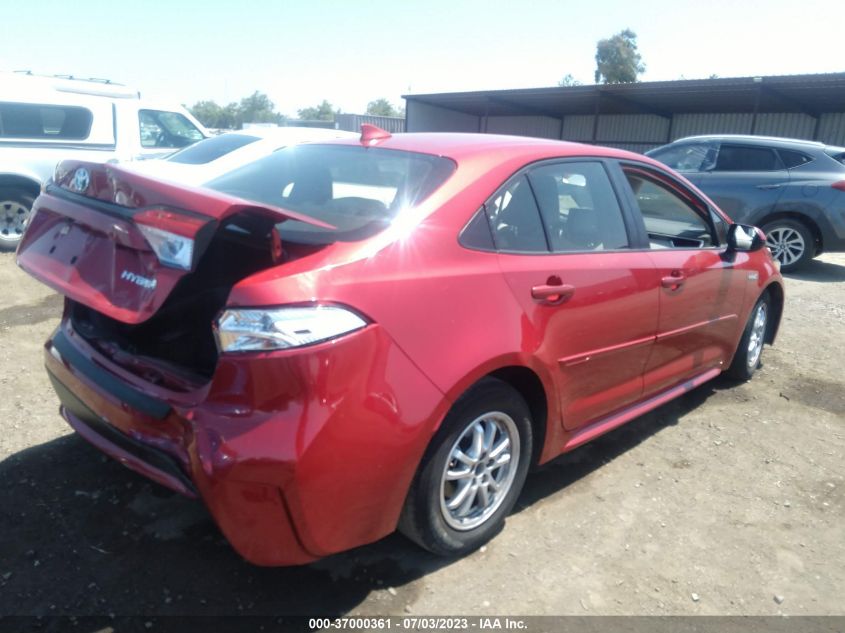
(768, 186)
(673, 281)
(552, 294)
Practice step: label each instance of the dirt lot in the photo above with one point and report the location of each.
(728, 501)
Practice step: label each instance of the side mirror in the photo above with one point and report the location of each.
(745, 238)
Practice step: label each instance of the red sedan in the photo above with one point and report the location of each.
(349, 337)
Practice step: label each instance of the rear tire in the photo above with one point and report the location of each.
(472, 472)
(791, 243)
(749, 352)
(15, 207)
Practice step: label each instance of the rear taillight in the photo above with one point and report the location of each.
(170, 235)
(171, 249)
(839, 185)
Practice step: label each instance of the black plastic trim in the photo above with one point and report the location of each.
(123, 392)
(108, 208)
(115, 210)
(154, 457)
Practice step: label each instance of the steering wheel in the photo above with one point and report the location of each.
(162, 139)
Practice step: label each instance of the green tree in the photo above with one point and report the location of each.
(257, 108)
(213, 115)
(383, 107)
(617, 59)
(231, 117)
(322, 112)
(568, 80)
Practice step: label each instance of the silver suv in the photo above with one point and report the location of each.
(794, 190)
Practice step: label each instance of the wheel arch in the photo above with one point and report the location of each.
(776, 297)
(526, 381)
(797, 216)
(535, 386)
(24, 182)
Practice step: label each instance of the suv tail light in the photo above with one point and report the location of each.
(839, 185)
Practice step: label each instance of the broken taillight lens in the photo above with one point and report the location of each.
(171, 235)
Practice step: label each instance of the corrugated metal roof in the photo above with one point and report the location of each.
(810, 94)
(353, 122)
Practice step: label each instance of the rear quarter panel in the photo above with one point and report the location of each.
(448, 308)
(818, 202)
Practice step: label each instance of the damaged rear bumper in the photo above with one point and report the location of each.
(295, 458)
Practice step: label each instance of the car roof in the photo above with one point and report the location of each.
(751, 138)
(463, 146)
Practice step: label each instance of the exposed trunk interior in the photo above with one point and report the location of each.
(176, 348)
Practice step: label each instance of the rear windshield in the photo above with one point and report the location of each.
(357, 190)
(211, 149)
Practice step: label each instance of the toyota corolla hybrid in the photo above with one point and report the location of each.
(344, 338)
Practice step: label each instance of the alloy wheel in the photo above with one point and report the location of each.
(787, 244)
(758, 335)
(480, 471)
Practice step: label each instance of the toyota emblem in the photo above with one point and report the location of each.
(81, 180)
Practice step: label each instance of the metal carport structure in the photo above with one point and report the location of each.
(643, 115)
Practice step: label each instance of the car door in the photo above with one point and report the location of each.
(590, 301)
(745, 180)
(701, 291)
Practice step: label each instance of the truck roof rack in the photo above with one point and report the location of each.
(73, 83)
(98, 80)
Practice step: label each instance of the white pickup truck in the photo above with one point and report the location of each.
(47, 119)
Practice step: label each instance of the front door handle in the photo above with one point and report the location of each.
(673, 281)
(553, 292)
(773, 186)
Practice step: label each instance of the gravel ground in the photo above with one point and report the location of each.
(727, 501)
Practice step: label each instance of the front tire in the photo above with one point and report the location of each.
(472, 472)
(790, 242)
(749, 353)
(15, 207)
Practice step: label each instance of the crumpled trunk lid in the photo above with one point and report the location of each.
(84, 239)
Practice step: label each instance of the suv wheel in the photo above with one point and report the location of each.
(791, 243)
(472, 472)
(15, 205)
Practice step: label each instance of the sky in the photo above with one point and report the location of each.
(350, 52)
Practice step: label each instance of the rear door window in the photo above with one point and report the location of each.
(791, 158)
(170, 130)
(578, 207)
(515, 219)
(747, 158)
(50, 122)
